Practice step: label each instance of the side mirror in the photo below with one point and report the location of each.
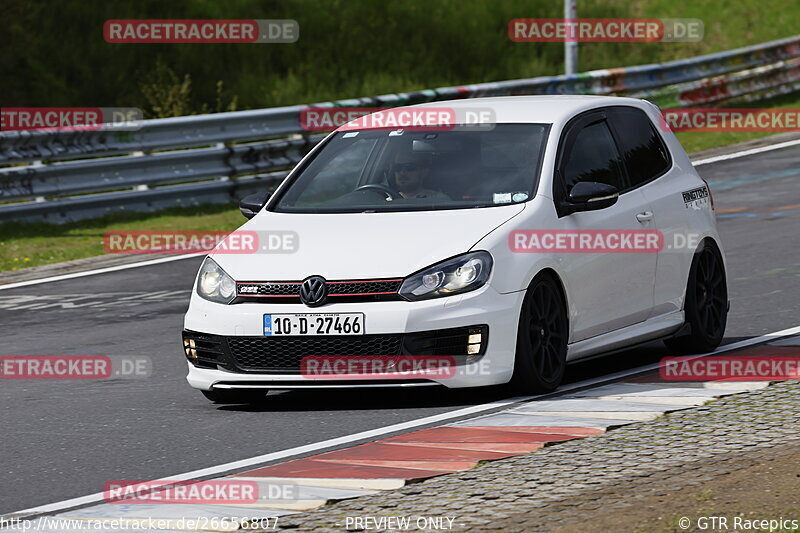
(251, 204)
(589, 196)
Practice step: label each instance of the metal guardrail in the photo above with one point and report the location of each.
(212, 158)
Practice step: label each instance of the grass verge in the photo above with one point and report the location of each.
(28, 244)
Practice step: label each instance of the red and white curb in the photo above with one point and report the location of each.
(392, 462)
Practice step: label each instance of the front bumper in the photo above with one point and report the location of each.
(242, 324)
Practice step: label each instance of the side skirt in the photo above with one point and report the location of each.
(649, 330)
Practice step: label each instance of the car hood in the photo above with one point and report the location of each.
(362, 245)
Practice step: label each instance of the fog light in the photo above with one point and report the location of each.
(189, 347)
(474, 340)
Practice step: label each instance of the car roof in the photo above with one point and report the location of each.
(550, 109)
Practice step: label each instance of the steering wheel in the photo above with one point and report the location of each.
(378, 187)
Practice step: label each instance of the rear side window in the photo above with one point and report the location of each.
(594, 157)
(642, 148)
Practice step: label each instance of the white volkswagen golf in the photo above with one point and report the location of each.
(468, 255)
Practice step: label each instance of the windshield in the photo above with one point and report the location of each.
(469, 166)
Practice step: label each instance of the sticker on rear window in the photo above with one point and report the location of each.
(695, 198)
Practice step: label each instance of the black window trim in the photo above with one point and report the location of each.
(585, 118)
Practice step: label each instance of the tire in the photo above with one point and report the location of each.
(706, 303)
(542, 336)
(235, 396)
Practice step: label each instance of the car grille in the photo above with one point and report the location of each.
(338, 291)
(363, 287)
(281, 354)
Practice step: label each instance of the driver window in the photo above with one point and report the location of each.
(594, 157)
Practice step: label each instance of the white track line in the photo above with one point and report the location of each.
(284, 454)
(99, 271)
(745, 153)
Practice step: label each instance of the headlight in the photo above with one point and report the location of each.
(215, 284)
(460, 274)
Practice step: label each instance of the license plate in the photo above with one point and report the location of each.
(314, 324)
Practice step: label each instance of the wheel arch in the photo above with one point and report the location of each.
(527, 374)
(559, 282)
(714, 242)
(552, 274)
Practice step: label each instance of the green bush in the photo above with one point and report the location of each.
(53, 53)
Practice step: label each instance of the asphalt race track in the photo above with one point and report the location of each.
(65, 439)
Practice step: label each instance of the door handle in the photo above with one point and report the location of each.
(646, 216)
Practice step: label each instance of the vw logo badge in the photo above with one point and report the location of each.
(313, 291)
